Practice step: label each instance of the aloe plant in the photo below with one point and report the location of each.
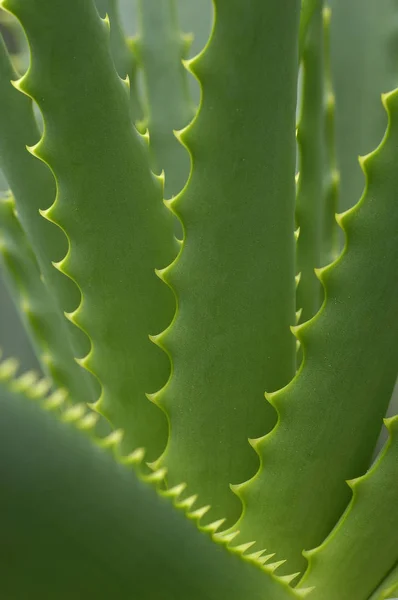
(245, 369)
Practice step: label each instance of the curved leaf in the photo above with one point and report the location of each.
(122, 52)
(234, 278)
(311, 145)
(330, 415)
(76, 523)
(110, 206)
(362, 549)
(160, 48)
(364, 44)
(330, 230)
(308, 8)
(33, 188)
(36, 306)
(388, 588)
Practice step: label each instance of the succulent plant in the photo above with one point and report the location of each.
(219, 352)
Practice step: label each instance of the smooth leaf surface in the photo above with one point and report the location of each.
(330, 232)
(33, 188)
(364, 43)
(160, 48)
(234, 278)
(308, 8)
(330, 415)
(311, 146)
(363, 547)
(122, 52)
(37, 307)
(388, 588)
(109, 204)
(77, 524)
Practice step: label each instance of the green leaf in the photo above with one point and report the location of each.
(308, 8)
(109, 204)
(76, 523)
(388, 588)
(122, 52)
(160, 48)
(33, 188)
(330, 415)
(234, 279)
(36, 306)
(311, 145)
(196, 17)
(13, 335)
(362, 548)
(364, 43)
(330, 231)
(15, 40)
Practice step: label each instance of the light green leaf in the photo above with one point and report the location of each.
(364, 44)
(109, 205)
(330, 231)
(234, 279)
(122, 52)
(362, 548)
(37, 307)
(330, 415)
(388, 588)
(160, 49)
(76, 523)
(311, 145)
(308, 8)
(33, 188)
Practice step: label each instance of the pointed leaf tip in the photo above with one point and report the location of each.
(112, 440)
(242, 548)
(175, 491)
(226, 538)
(214, 526)
(56, 400)
(304, 592)
(106, 21)
(188, 502)
(236, 487)
(8, 368)
(289, 578)
(263, 559)
(199, 512)
(157, 476)
(256, 555)
(89, 421)
(134, 458)
(74, 413)
(271, 567)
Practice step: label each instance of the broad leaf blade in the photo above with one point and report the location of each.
(160, 49)
(33, 188)
(330, 415)
(37, 307)
(109, 204)
(234, 278)
(75, 523)
(362, 549)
